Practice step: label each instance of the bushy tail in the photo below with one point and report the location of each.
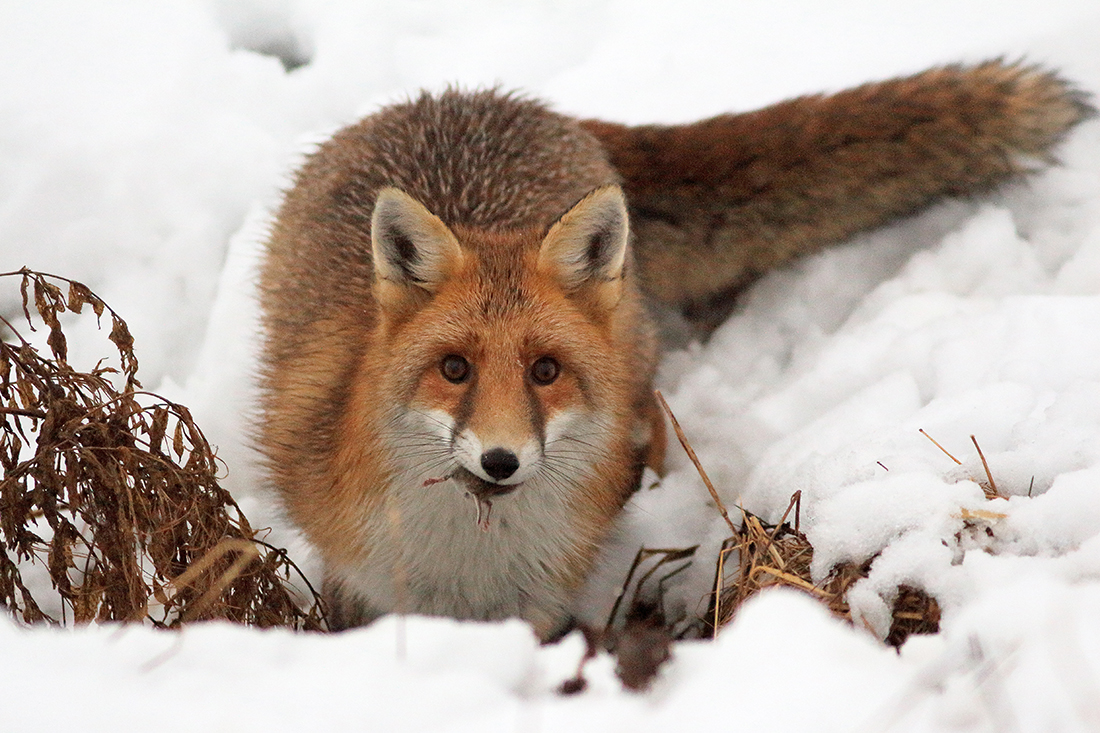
(716, 203)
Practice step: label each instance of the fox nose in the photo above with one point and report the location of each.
(499, 463)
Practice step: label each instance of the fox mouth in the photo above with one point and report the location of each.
(479, 487)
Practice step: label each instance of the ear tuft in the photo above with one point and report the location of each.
(413, 250)
(585, 250)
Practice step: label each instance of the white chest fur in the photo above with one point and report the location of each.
(428, 555)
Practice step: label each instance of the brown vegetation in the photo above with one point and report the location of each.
(779, 555)
(113, 491)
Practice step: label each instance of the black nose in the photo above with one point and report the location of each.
(499, 463)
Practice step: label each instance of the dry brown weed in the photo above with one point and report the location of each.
(114, 492)
(780, 555)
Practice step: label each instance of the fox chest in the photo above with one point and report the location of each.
(434, 550)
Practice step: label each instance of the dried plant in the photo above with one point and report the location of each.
(780, 555)
(114, 491)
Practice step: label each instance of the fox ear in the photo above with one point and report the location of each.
(585, 250)
(413, 249)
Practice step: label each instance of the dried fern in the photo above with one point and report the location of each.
(114, 490)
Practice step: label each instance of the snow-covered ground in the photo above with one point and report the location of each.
(143, 144)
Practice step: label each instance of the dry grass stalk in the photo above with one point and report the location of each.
(694, 459)
(990, 490)
(769, 556)
(780, 555)
(935, 443)
(989, 487)
(114, 490)
(970, 514)
(655, 598)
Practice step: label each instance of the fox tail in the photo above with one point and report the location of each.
(716, 203)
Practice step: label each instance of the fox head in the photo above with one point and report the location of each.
(506, 354)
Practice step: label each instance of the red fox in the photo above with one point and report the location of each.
(459, 298)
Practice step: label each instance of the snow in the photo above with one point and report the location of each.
(144, 144)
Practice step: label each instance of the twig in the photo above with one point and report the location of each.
(719, 582)
(695, 460)
(285, 558)
(792, 579)
(992, 493)
(37, 414)
(247, 553)
(796, 498)
(956, 460)
(626, 584)
(670, 555)
(643, 554)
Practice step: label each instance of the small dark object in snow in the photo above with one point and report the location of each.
(644, 644)
(577, 683)
(915, 612)
(573, 686)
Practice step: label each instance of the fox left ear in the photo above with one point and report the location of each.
(413, 250)
(586, 248)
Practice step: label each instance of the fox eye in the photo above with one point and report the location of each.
(454, 368)
(545, 370)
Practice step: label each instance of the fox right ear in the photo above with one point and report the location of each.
(585, 250)
(413, 249)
